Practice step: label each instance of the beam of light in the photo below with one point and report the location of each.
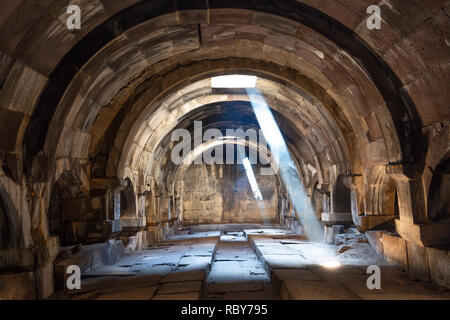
(233, 81)
(254, 185)
(282, 159)
(252, 179)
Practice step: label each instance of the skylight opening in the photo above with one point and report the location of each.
(233, 81)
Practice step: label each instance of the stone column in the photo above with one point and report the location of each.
(412, 224)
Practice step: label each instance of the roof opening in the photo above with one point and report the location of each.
(233, 81)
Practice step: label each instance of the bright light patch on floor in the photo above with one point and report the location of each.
(330, 264)
(233, 81)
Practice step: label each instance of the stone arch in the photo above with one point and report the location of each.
(306, 14)
(225, 190)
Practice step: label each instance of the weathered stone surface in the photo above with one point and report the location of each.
(418, 261)
(439, 263)
(394, 249)
(314, 290)
(427, 234)
(280, 275)
(335, 218)
(376, 153)
(258, 295)
(20, 17)
(9, 259)
(11, 129)
(184, 276)
(375, 240)
(133, 294)
(207, 197)
(178, 296)
(19, 286)
(240, 286)
(431, 99)
(180, 287)
(22, 79)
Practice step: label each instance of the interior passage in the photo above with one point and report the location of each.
(233, 149)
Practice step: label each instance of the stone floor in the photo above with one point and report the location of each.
(237, 273)
(302, 270)
(250, 264)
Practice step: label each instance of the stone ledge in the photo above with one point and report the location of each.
(133, 223)
(364, 223)
(336, 218)
(375, 240)
(424, 263)
(280, 275)
(425, 235)
(394, 249)
(89, 257)
(314, 290)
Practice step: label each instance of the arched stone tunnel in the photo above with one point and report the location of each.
(87, 124)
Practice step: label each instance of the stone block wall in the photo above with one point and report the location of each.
(222, 194)
(424, 263)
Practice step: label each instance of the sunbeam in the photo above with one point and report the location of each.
(283, 162)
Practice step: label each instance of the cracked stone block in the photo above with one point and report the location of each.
(178, 296)
(259, 295)
(195, 260)
(394, 249)
(285, 261)
(180, 287)
(133, 294)
(279, 275)
(22, 79)
(314, 290)
(235, 287)
(184, 276)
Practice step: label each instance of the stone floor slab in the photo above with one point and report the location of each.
(179, 296)
(133, 294)
(180, 287)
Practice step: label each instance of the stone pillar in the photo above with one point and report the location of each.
(357, 197)
(412, 224)
(105, 209)
(411, 195)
